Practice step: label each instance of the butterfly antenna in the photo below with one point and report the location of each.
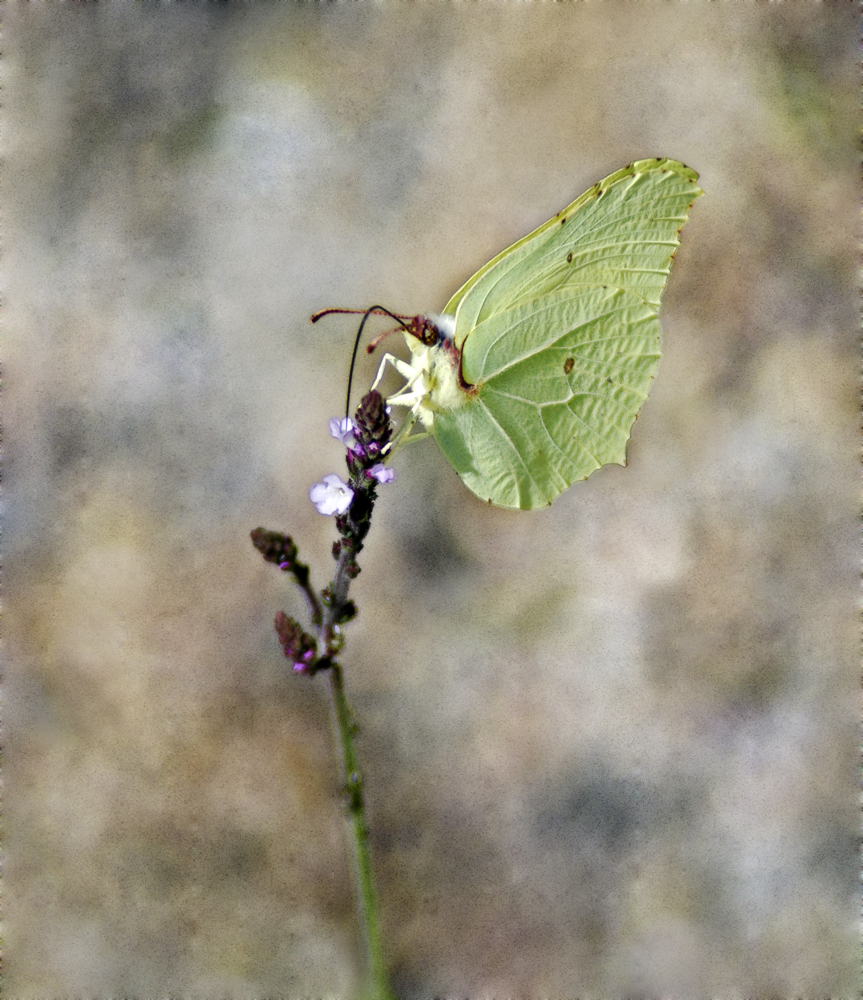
(374, 310)
(352, 312)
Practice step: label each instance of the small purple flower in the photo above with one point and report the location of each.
(332, 496)
(343, 430)
(301, 666)
(381, 473)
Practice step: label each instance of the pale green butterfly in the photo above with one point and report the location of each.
(534, 372)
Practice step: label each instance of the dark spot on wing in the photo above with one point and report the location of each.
(569, 257)
(568, 365)
(563, 220)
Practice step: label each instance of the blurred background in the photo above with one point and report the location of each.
(610, 747)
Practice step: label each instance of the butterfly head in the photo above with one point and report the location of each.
(431, 330)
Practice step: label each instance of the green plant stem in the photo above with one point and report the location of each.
(353, 783)
(362, 869)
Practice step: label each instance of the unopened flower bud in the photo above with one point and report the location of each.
(372, 421)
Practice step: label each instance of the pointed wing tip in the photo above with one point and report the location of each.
(665, 165)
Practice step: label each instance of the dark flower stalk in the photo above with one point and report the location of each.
(366, 438)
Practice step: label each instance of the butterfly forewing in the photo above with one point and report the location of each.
(601, 324)
(621, 232)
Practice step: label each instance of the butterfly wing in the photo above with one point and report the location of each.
(560, 338)
(623, 232)
(563, 378)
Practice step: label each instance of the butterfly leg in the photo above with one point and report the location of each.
(413, 394)
(414, 391)
(407, 372)
(404, 433)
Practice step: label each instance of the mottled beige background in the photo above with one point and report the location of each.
(610, 747)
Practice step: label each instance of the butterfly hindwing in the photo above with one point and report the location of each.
(562, 405)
